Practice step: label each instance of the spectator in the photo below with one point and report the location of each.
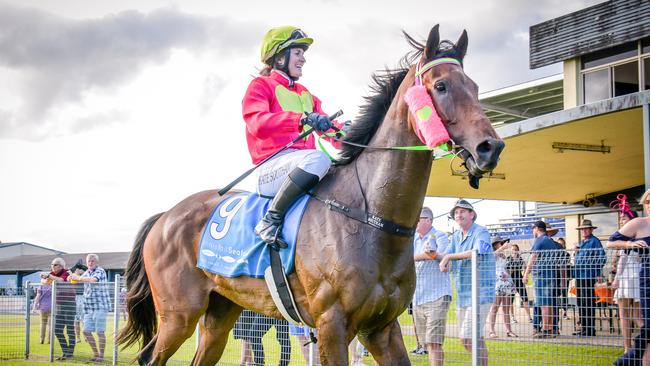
(563, 270)
(559, 260)
(43, 304)
(471, 237)
(96, 304)
(543, 268)
(432, 287)
(419, 349)
(79, 268)
(260, 325)
(66, 307)
(626, 281)
(302, 333)
(515, 266)
(123, 310)
(635, 237)
(356, 349)
(240, 331)
(504, 287)
(589, 261)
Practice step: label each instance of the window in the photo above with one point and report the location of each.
(626, 78)
(609, 55)
(615, 71)
(596, 85)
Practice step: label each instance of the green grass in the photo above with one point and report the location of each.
(500, 352)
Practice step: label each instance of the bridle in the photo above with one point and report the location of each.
(362, 215)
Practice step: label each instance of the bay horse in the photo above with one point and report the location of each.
(350, 278)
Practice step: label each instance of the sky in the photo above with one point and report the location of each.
(112, 111)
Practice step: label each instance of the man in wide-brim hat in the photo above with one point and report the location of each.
(586, 224)
(470, 237)
(589, 261)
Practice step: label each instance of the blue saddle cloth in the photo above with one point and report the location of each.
(229, 246)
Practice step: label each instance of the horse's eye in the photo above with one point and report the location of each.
(440, 86)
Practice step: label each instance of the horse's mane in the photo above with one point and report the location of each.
(384, 86)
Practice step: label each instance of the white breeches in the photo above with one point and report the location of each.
(272, 173)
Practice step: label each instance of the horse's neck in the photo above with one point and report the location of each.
(395, 181)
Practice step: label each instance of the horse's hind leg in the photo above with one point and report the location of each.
(175, 327)
(217, 322)
(387, 345)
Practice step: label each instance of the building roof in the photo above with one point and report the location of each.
(598, 27)
(33, 263)
(11, 244)
(519, 102)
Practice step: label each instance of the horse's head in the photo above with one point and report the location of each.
(455, 97)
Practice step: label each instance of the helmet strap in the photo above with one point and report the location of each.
(283, 66)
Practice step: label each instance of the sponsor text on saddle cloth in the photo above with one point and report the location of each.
(229, 246)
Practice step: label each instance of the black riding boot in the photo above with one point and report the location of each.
(295, 185)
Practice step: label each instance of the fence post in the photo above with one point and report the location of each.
(311, 354)
(27, 318)
(53, 320)
(197, 332)
(116, 316)
(475, 310)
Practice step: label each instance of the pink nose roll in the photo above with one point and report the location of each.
(430, 128)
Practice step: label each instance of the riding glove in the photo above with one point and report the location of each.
(346, 126)
(317, 121)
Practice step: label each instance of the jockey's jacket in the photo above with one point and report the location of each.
(272, 110)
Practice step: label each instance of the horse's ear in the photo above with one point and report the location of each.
(461, 45)
(432, 42)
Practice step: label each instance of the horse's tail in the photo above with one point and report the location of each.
(139, 301)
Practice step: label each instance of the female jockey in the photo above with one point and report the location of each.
(276, 110)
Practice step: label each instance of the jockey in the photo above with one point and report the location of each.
(276, 110)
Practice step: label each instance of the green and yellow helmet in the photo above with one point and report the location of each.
(278, 39)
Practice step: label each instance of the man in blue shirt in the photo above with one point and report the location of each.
(432, 287)
(542, 265)
(471, 237)
(589, 261)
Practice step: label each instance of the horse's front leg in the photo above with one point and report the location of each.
(387, 345)
(333, 338)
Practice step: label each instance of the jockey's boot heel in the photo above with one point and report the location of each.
(295, 185)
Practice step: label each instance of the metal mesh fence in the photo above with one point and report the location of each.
(53, 323)
(552, 307)
(12, 321)
(548, 307)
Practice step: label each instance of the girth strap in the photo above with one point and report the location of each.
(368, 218)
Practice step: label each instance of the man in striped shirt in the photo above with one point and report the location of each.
(96, 304)
(432, 287)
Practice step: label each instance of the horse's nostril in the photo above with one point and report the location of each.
(484, 147)
(489, 150)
